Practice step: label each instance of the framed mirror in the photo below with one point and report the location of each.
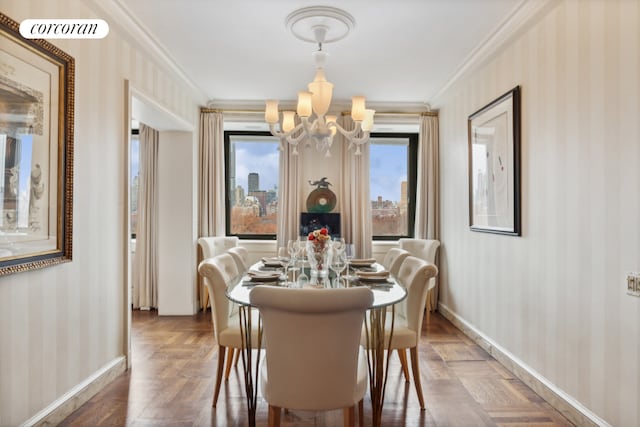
(36, 151)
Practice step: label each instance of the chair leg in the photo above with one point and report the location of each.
(415, 367)
(402, 354)
(361, 413)
(237, 358)
(232, 351)
(221, 351)
(274, 416)
(350, 416)
(206, 299)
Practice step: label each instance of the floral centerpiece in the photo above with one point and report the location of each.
(319, 252)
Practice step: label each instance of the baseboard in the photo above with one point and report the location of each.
(570, 408)
(62, 407)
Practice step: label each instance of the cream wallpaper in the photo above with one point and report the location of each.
(60, 325)
(556, 298)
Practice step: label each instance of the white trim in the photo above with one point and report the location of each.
(137, 34)
(573, 410)
(62, 407)
(522, 14)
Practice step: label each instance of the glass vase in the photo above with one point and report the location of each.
(319, 255)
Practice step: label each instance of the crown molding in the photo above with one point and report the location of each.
(524, 13)
(119, 16)
(336, 106)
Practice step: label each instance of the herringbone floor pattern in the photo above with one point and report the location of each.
(174, 361)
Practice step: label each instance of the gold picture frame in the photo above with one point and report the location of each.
(37, 86)
(494, 166)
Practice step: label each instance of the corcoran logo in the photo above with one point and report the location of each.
(64, 28)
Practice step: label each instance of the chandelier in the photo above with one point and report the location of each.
(320, 25)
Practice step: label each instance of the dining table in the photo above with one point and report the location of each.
(386, 293)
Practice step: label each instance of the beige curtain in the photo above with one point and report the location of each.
(355, 218)
(145, 280)
(211, 191)
(288, 196)
(211, 210)
(427, 224)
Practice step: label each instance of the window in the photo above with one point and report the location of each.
(135, 179)
(252, 165)
(393, 184)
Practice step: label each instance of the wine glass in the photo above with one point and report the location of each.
(349, 253)
(338, 264)
(338, 245)
(284, 259)
(303, 279)
(293, 247)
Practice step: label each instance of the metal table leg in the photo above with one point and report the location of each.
(377, 363)
(250, 371)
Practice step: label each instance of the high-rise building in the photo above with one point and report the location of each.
(403, 195)
(254, 182)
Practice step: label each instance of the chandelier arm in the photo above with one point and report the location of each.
(287, 135)
(348, 134)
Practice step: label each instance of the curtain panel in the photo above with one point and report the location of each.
(145, 279)
(427, 223)
(355, 208)
(211, 206)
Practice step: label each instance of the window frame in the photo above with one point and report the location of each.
(412, 182)
(227, 195)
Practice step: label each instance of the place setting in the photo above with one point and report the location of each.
(378, 279)
(258, 277)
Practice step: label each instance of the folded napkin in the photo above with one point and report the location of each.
(368, 261)
(383, 274)
(263, 275)
(273, 262)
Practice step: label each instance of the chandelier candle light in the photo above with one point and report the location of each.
(319, 24)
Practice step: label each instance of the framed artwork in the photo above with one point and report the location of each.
(494, 166)
(36, 151)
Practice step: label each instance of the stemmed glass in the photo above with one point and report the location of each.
(293, 246)
(338, 264)
(303, 279)
(349, 253)
(284, 260)
(338, 245)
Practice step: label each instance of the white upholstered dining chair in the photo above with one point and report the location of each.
(414, 275)
(313, 356)
(241, 257)
(425, 249)
(221, 271)
(393, 259)
(210, 247)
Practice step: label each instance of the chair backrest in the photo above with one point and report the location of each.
(414, 275)
(212, 246)
(312, 339)
(393, 259)
(425, 249)
(220, 271)
(241, 257)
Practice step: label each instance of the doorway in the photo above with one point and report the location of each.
(175, 212)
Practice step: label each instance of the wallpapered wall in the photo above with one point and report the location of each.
(556, 297)
(60, 325)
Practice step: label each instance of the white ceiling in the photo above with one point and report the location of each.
(400, 51)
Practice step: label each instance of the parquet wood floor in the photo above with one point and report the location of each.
(174, 362)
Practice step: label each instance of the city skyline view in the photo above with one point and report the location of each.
(388, 168)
